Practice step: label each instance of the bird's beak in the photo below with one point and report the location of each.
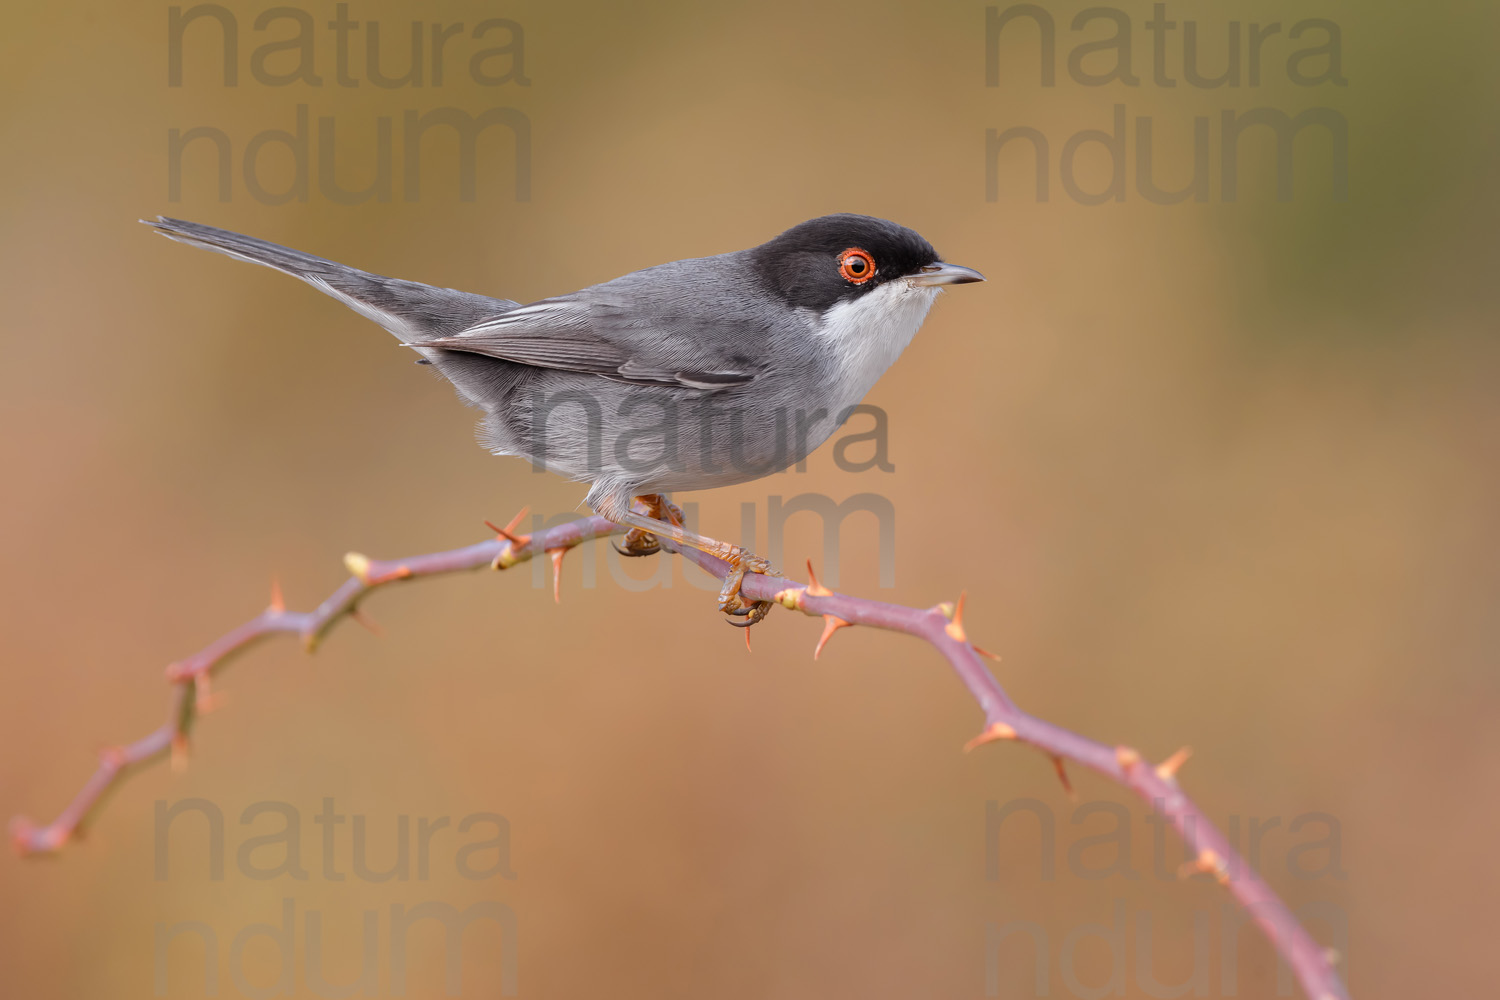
(945, 274)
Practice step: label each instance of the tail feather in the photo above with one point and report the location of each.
(412, 311)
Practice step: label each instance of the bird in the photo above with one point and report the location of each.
(689, 375)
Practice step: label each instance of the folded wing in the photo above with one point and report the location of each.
(625, 331)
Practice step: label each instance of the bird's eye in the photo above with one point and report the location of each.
(856, 266)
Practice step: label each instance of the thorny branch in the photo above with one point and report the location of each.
(941, 626)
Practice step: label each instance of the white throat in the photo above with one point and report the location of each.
(868, 334)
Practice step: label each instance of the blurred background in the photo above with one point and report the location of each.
(1216, 473)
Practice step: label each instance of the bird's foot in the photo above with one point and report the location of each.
(730, 600)
(639, 541)
(653, 514)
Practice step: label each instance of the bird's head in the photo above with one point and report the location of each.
(842, 259)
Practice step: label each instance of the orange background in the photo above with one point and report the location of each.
(1211, 474)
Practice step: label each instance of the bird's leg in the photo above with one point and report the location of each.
(659, 507)
(667, 523)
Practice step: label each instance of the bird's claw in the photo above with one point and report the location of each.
(638, 543)
(730, 600)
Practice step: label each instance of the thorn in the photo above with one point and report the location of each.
(1127, 758)
(21, 832)
(27, 838)
(831, 624)
(996, 731)
(746, 631)
(278, 605)
(985, 652)
(367, 622)
(113, 758)
(815, 588)
(515, 522)
(508, 533)
(179, 753)
(557, 558)
(506, 558)
(1167, 769)
(1207, 862)
(358, 565)
(955, 628)
(204, 700)
(1062, 775)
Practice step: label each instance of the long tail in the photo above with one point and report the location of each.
(412, 311)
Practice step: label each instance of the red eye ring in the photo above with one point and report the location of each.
(856, 266)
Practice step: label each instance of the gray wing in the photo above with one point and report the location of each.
(668, 325)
